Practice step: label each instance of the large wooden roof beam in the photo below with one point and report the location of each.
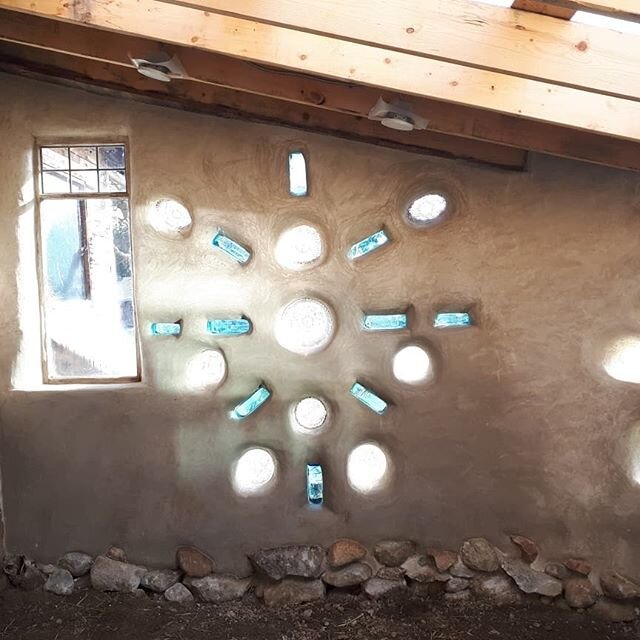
(464, 32)
(122, 81)
(544, 8)
(621, 9)
(302, 95)
(350, 61)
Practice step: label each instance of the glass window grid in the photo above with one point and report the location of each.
(79, 195)
(102, 172)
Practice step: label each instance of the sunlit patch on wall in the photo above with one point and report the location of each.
(170, 218)
(427, 209)
(309, 415)
(230, 247)
(622, 359)
(412, 365)
(254, 472)
(305, 326)
(367, 468)
(298, 183)
(206, 369)
(299, 248)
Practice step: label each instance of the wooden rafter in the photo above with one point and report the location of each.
(350, 61)
(518, 43)
(309, 94)
(123, 81)
(544, 8)
(621, 9)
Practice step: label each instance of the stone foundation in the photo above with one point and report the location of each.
(295, 574)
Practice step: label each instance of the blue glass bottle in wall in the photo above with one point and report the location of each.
(166, 328)
(233, 249)
(251, 404)
(452, 319)
(384, 321)
(229, 327)
(368, 398)
(298, 174)
(315, 485)
(368, 245)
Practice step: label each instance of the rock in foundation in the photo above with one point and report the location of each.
(113, 575)
(579, 593)
(60, 582)
(292, 591)
(348, 576)
(443, 558)
(218, 588)
(422, 569)
(528, 548)
(193, 562)
(498, 588)
(178, 593)
(618, 587)
(531, 581)
(578, 565)
(76, 563)
(479, 554)
(303, 561)
(392, 553)
(159, 580)
(376, 588)
(345, 551)
(454, 585)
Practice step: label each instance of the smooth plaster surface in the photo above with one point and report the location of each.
(521, 430)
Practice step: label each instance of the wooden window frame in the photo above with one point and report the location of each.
(39, 143)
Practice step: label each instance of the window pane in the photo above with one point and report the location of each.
(91, 336)
(112, 181)
(55, 158)
(84, 181)
(111, 157)
(62, 250)
(55, 182)
(83, 157)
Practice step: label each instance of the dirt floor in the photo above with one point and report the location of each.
(90, 615)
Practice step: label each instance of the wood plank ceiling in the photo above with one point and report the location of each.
(492, 82)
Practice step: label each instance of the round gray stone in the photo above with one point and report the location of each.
(76, 563)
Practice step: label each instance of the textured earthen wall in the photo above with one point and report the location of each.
(521, 432)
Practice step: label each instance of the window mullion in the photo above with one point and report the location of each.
(84, 247)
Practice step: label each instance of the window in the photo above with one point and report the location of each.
(305, 326)
(299, 248)
(254, 472)
(89, 330)
(367, 467)
(427, 209)
(309, 415)
(412, 365)
(297, 174)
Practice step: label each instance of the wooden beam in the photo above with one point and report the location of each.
(519, 43)
(209, 68)
(351, 62)
(621, 9)
(57, 67)
(544, 8)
